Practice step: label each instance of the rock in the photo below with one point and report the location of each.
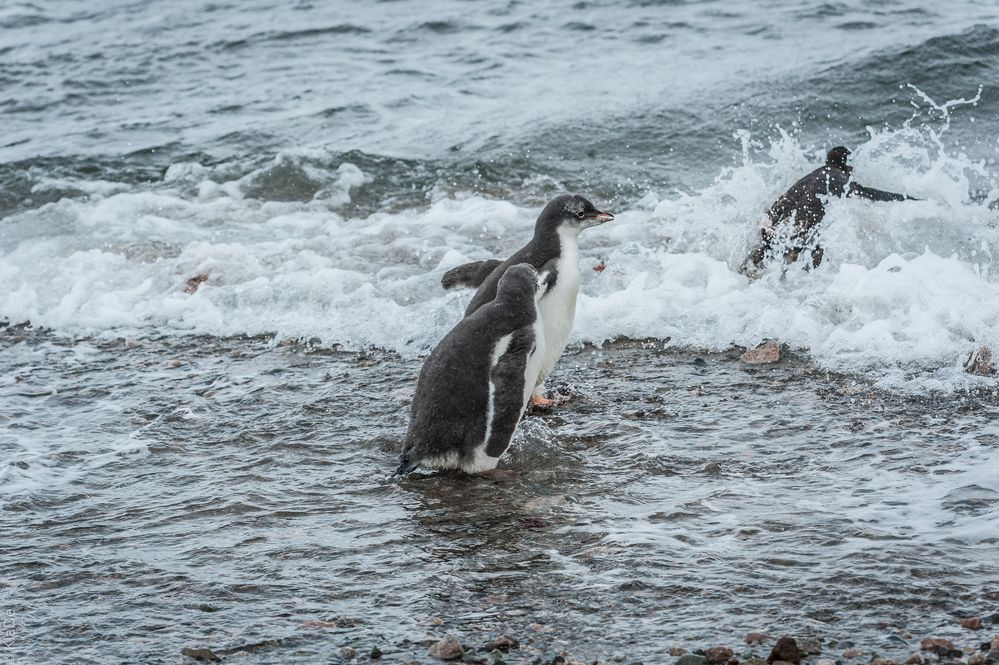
(853, 653)
(756, 638)
(558, 660)
(914, 659)
(195, 282)
(882, 661)
(447, 649)
(348, 652)
(980, 362)
(375, 654)
(976, 659)
(503, 643)
(677, 651)
(995, 644)
(320, 624)
(825, 661)
(766, 353)
(992, 657)
(600, 267)
(809, 646)
(971, 623)
(787, 650)
(718, 655)
(200, 654)
(539, 628)
(936, 644)
(691, 659)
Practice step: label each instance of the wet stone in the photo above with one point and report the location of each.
(766, 353)
(980, 362)
(348, 652)
(204, 655)
(853, 653)
(677, 651)
(375, 654)
(914, 659)
(447, 649)
(936, 644)
(691, 659)
(786, 649)
(717, 655)
(971, 623)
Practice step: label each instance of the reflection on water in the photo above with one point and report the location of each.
(229, 493)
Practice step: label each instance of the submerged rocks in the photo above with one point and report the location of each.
(757, 638)
(766, 353)
(972, 623)
(204, 655)
(503, 643)
(691, 659)
(785, 650)
(447, 649)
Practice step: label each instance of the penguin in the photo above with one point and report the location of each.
(555, 233)
(475, 385)
(803, 203)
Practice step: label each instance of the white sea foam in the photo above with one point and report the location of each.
(905, 293)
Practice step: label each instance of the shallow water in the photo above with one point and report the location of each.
(210, 468)
(226, 493)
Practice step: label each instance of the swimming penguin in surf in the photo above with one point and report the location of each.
(803, 203)
(474, 386)
(554, 239)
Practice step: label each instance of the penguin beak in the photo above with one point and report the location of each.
(601, 217)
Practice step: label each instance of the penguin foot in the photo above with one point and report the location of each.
(537, 399)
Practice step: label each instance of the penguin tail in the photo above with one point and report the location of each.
(470, 275)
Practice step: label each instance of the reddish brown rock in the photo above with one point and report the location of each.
(195, 282)
(972, 623)
(980, 362)
(787, 650)
(914, 659)
(853, 653)
(976, 659)
(766, 353)
(677, 651)
(447, 649)
(936, 644)
(883, 661)
(718, 655)
(600, 267)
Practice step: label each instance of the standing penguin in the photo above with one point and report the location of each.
(474, 386)
(555, 233)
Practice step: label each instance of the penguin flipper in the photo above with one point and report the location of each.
(507, 377)
(470, 275)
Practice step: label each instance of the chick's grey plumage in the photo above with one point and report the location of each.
(473, 387)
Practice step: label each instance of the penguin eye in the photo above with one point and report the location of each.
(580, 214)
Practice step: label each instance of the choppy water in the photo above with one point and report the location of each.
(173, 473)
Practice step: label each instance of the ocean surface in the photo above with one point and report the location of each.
(204, 463)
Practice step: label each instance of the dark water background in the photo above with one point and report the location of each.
(210, 470)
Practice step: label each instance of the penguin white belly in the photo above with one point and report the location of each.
(558, 306)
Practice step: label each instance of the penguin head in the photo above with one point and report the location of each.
(571, 212)
(519, 282)
(837, 158)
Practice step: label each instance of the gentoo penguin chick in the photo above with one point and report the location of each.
(554, 239)
(474, 386)
(803, 203)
